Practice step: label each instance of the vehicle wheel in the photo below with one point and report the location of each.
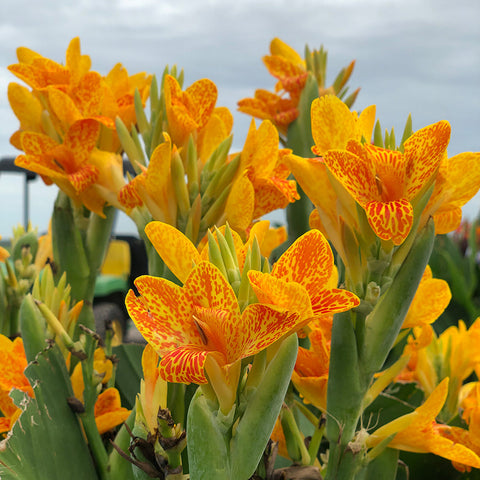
(110, 315)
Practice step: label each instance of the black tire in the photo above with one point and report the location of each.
(110, 315)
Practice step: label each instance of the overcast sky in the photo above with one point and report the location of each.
(413, 56)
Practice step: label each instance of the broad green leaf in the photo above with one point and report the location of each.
(46, 442)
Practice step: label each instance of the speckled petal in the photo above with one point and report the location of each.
(84, 177)
(356, 174)
(163, 314)
(447, 221)
(277, 291)
(333, 300)
(240, 204)
(175, 249)
(309, 261)
(184, 364)
(390, 220)
(424, 151)
(203, 94)
(262, 326)
(333, 124)
(207, 287)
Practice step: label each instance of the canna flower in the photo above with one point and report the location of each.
(199, 332)
(153, 391)
(287, 66)
(304, 280)
(310, 375)
(452, 190)
(419, 432)
(102, 367)
(190, 110)
(12, 365)
(386, 183)
(75, 165)
(71, 93)
(454, 354)
(153, 187)
(261, 185)
(333, 125)
(108, 410)
(118, 94)
(432, 298)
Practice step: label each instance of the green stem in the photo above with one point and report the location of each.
(88, 417)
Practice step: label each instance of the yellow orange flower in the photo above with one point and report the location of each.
(454, 354)
(189, 110)
(291, 71)
(261, 185)
(153, 390)
(419, 432)
(432, 297)
(289, 68)
(103, 370)
(453, 189)
(12, 365)
(386, 182)
(199, 326)
(310, 375)
(304, 280)
(71, 93)
(153, 187)
(108, 410)
(74, 165)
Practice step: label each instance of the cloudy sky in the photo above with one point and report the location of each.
(413, 56)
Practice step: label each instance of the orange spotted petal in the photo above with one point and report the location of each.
(203, 94)
(333, 300)
(278, 47)
(272, 194)
(263, 325)
(390, 169)
(207, 287)
(163, 314)
(175, 249)
(82, 136)
(215, 131)
(36, 143)
(184, 364)
(240, 204)
(332, 124)
(423, 152)
(63, 107)
(390, 220)
(355, 173)
(84, 177)
(446, 222)
(276, 291)
(309, 261)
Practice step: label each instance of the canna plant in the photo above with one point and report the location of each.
(315, 359)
